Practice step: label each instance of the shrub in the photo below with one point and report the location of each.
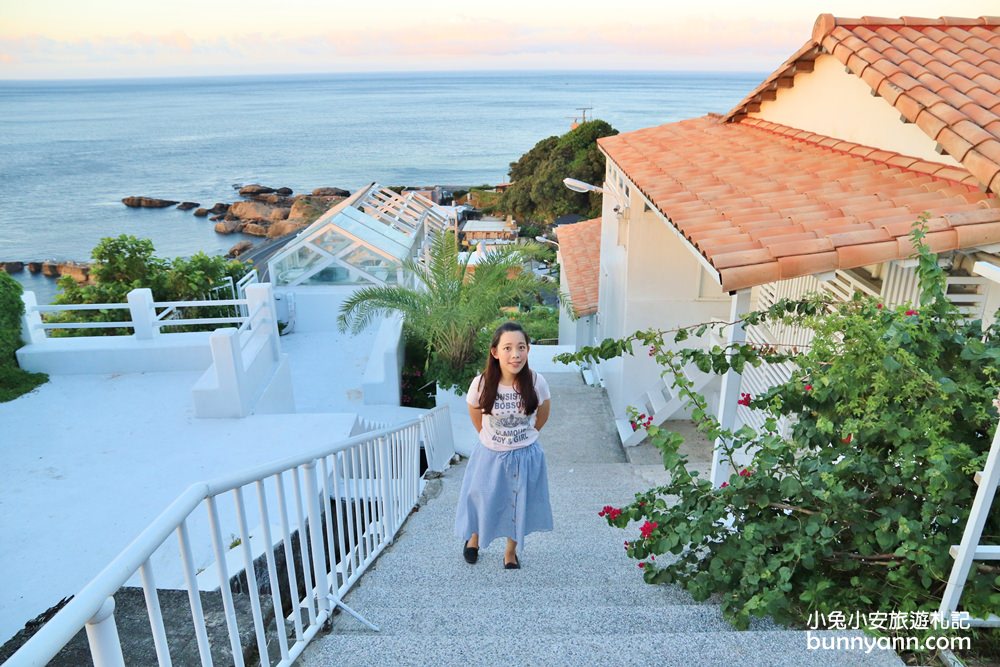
(857, 510)
(13, 381)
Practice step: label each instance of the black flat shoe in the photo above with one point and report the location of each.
(516, 565)
(471, 554)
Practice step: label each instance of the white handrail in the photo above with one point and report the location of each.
(374, 474)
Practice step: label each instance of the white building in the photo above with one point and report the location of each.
(812, 182)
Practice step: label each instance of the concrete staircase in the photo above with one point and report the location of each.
(577, 600)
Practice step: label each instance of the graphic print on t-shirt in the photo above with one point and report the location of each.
(508, 422)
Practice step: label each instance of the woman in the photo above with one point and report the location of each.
(505, 491)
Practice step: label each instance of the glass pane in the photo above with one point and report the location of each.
(374, 264)
(334, 274)
(332, 241)
(297, 264)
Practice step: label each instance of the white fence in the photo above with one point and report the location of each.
(319, 520)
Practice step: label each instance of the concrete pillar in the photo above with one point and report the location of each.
(227, 357)
(140, 305)
(731, 383)
(260, 299)
(32, 332)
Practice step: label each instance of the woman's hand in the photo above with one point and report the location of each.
(541, 414)
(476, 415)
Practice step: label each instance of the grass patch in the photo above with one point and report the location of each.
(15, 382)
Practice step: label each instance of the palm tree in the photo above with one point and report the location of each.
(452, 303)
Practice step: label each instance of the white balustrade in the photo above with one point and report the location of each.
(345, 504)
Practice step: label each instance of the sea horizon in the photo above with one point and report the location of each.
(70, 150)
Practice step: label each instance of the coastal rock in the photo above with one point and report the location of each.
(284, 192)
(188, 205)
(330, 192)
(274, 199)
(306, 208)
(239, 248)
(12, 267)
(77, 271)
(279, 214)
(35, 267)
(285, 227)
(255, 229)
(228, 226)
(250, 210)
(50, 269)
(201, 212)
(216, 218)
(219, 208)
(255, 189)
(147, 202)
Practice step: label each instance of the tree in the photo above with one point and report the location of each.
(537, 192)
(455, 303)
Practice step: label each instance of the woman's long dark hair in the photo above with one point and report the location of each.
(489, 383)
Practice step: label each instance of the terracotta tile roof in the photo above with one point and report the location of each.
(941, 74)
(580, 248)
(765, 202)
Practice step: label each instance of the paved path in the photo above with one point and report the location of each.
(578, 600)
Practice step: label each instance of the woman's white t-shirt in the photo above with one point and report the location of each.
(508, 427)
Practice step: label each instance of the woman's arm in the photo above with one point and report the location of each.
(476, 415)
(542, 414)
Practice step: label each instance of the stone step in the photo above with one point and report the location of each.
(486, 647)
(475, 613)
(513, 595)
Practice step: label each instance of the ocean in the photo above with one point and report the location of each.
(71, 150)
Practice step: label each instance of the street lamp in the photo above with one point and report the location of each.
(542, 239)
(580, 186)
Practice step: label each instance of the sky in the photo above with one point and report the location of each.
(73, 39)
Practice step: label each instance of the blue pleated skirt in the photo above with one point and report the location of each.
(504, 494)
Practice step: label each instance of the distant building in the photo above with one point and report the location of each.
(490, 230)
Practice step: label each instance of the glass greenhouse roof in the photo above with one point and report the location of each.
(364, 239)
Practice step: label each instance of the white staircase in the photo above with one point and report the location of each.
(662, 402)
(578, 600)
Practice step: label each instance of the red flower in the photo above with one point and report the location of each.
(606, 510)
(642, 565)
(847, 440)
(648, 528)
(614, 513)
(723, 485)
(808, 387)
(745, 399)
(911, 312)
(745, 472)
(880, 306)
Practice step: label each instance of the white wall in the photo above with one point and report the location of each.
(653, 280)
(835, 103)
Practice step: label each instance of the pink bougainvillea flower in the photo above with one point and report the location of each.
(911, 312)
(642, 565)
(648, 528)
(808, 387)
(880, 306)
(745, 399)
(613, 513)
(723, 485)
(606, 510)
(746, 472)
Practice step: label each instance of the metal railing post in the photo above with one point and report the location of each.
(102, 633)
(316, 537)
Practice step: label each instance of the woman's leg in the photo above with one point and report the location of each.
(473, 541)
(510, 553)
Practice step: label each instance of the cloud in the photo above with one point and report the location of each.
(462, 43)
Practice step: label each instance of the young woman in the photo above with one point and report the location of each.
(505, 491)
